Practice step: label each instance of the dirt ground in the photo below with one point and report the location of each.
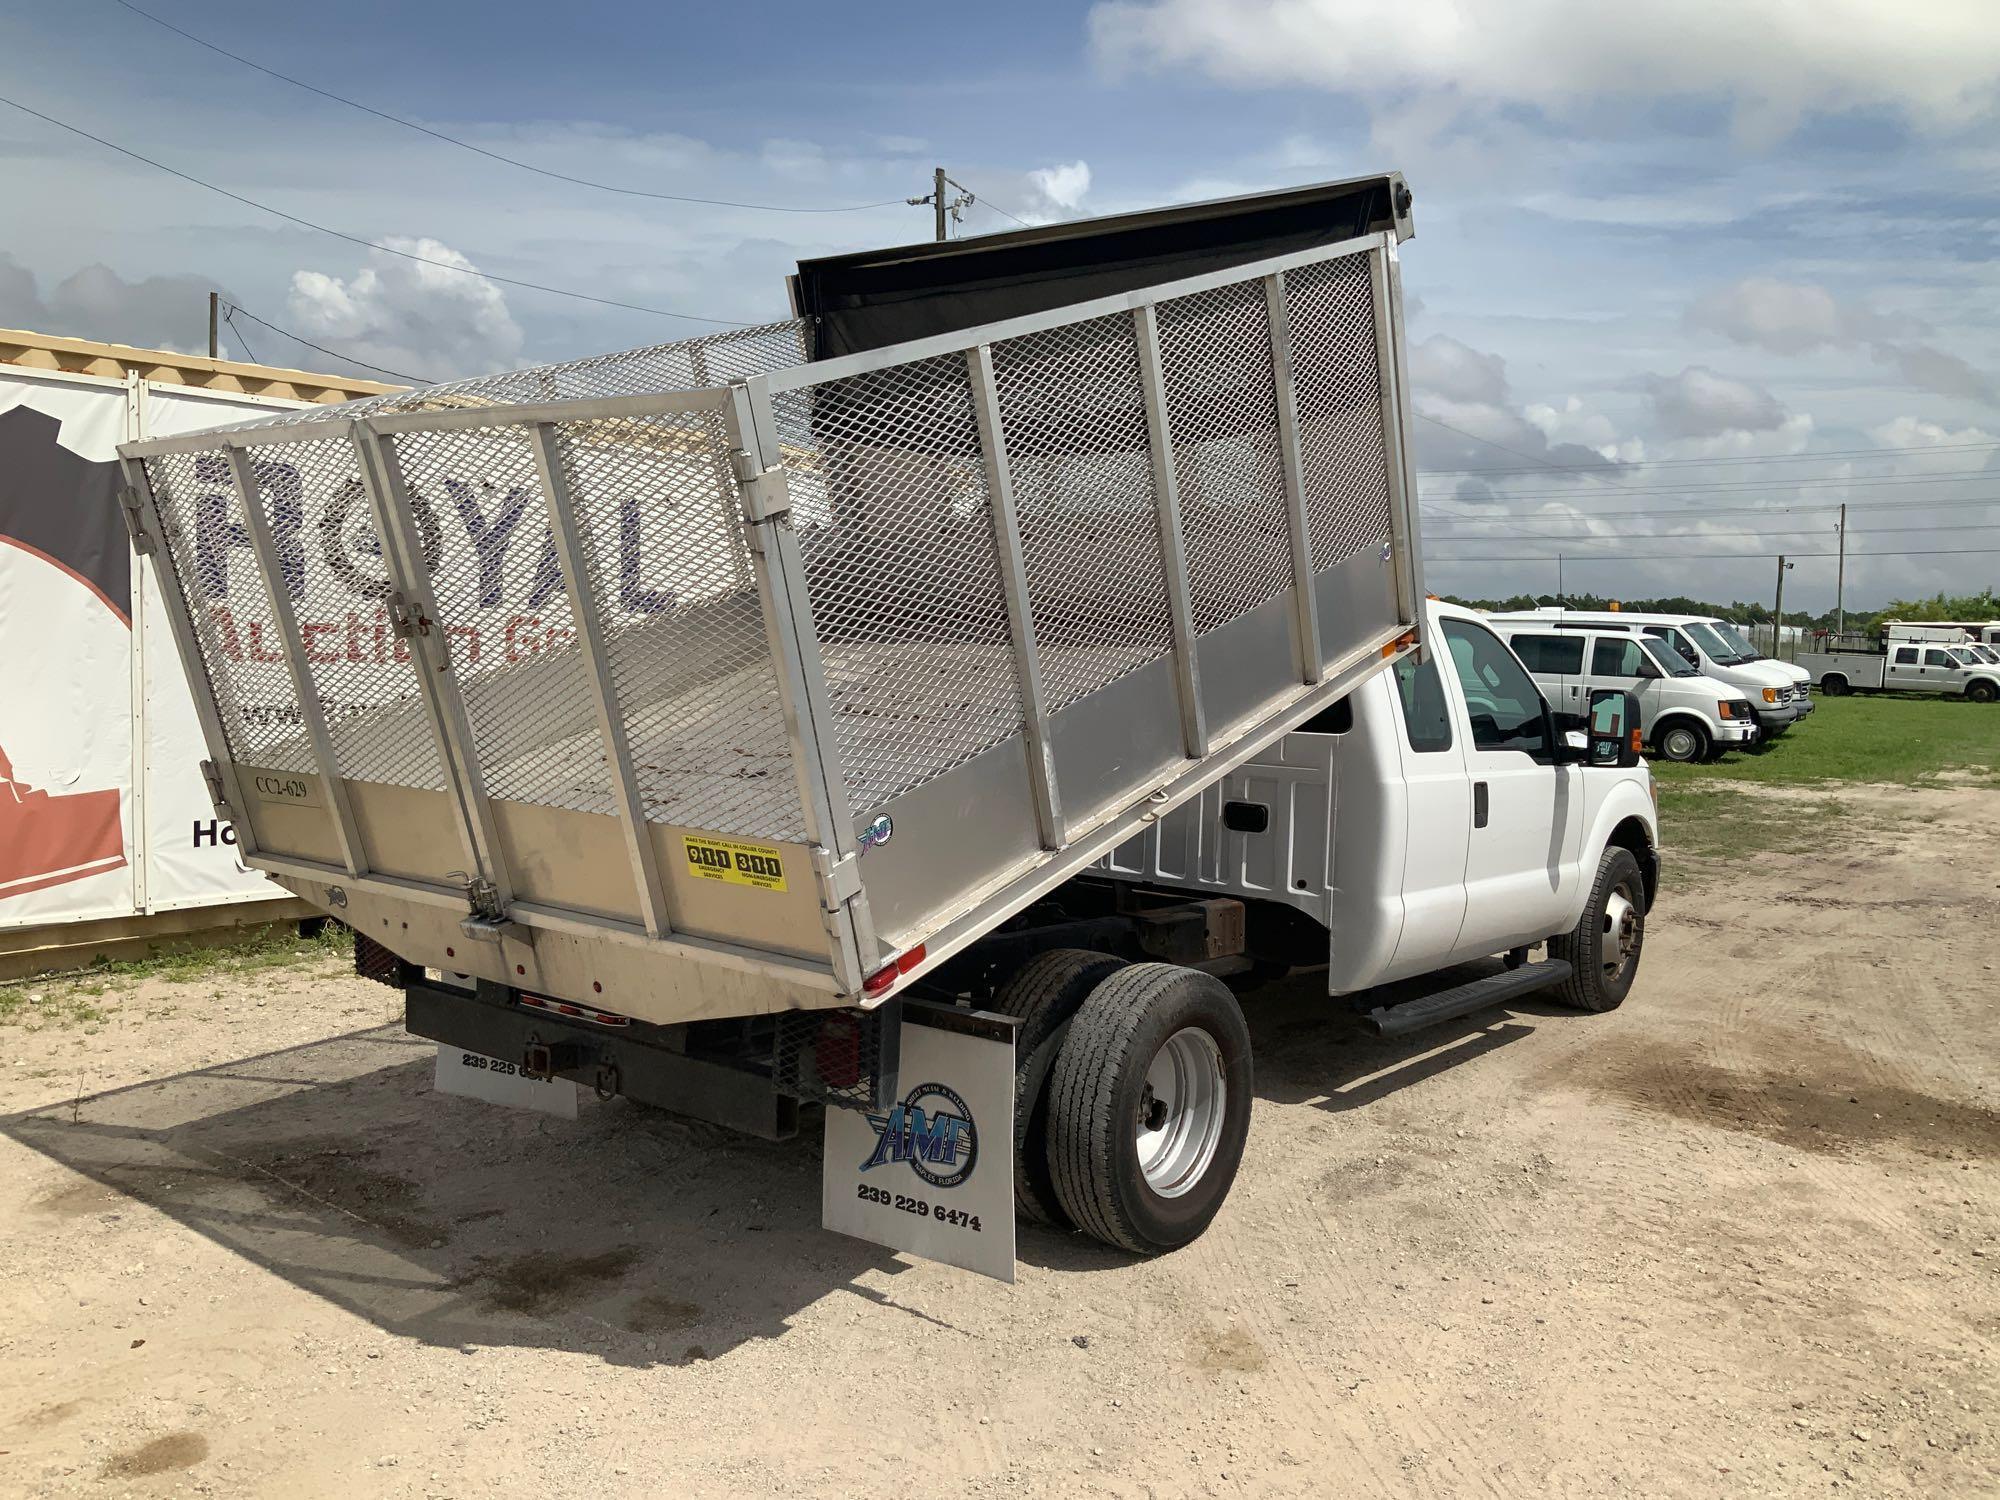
(1738, 1238)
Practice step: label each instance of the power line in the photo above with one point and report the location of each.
(1712, 556)
(1951, 476)
(1695, 536)
(230, 316)
(604, 187)
(1755, 458)
(1669, 513)
(985, 202)
(245, 342)
(355, 239)
(1475, 437)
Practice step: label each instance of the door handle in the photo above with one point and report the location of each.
(1478, 804)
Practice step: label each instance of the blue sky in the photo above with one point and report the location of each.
(1685, 231)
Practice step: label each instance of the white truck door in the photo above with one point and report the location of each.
(1618, 661)
(1906, 668)
(1527, 813)
(1439, 798)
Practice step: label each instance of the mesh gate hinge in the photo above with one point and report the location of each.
(839, 878)
(407, 617)
(135, 521)
(211, 775)
(766, 493)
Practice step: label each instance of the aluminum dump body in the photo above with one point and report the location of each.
(705, 680)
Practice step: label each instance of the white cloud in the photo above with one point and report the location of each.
(1784, 317)
(1914, 432)
(1938, 62)
(154, 312)
(1444, 367)
(404, 315)
(1699, 403)
(1789, 318)
(1062, 187)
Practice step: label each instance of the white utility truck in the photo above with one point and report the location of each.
(1912, 659)
(1683, 715)
(1775, 696)
(915, 708)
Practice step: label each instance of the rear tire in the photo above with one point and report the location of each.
(1043, 993)
(1603, 952)
(1682, 740)
(1149, 1107)
(1834, 686)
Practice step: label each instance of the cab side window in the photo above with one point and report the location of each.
(1503, 702)
(1678, 641)
(1906, 656)
(1937, 659)
(1551, 655)
(1616, 656)
(1426, 720)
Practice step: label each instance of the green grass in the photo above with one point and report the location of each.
(1905, 741)
(65, 1000)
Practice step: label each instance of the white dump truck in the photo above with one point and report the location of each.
(916, 708)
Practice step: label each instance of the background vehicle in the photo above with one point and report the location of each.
(1683, 714)
(823, 683)
(1771, 693)
(1857, 664)
(1800, 679)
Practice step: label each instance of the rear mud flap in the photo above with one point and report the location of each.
(931, 1173)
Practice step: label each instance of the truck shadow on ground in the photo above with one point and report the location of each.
(629, 1233)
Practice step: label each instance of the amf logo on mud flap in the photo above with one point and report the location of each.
(932, 1131)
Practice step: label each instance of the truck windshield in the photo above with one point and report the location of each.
(1670, 661)
(1736, 638)
(1717, 648)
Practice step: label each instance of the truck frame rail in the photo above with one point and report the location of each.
(806, 674)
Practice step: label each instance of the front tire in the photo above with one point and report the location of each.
(1981, 692)
(1044, 993)
(1603, 952)
(1683, 741)
(1149, 1107)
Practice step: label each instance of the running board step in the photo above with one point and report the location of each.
(1463, 999)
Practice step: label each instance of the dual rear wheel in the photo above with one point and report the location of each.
(1131, 1099)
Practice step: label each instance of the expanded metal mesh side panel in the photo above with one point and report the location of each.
(1215, 359)
(503, 604)
(901, 573)
(1331, 310)
(659, 520)
(833, 1056)
(1073, 413)
(714, 359)
(376, 717)
(241, 647)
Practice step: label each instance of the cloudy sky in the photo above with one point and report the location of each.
(1686, 274)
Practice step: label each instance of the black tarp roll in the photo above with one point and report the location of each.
(880, 297)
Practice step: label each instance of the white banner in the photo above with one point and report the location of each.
(102, 808)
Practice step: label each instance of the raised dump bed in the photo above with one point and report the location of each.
(710, 679)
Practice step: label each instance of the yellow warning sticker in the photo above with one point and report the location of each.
(758, 865)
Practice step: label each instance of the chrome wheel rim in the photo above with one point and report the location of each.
(1180, 1112)
(1621, 934)
(1680, 744)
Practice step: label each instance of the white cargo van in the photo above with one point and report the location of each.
(1800, 678)
(1773, 697)
(1684, 715)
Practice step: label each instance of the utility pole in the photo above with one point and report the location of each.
(1562, 599)
(942, 203)
(1778, 609)
(1840, 580)
(214, 312)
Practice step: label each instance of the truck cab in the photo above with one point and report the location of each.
(1445, 813)
(1684, 714)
